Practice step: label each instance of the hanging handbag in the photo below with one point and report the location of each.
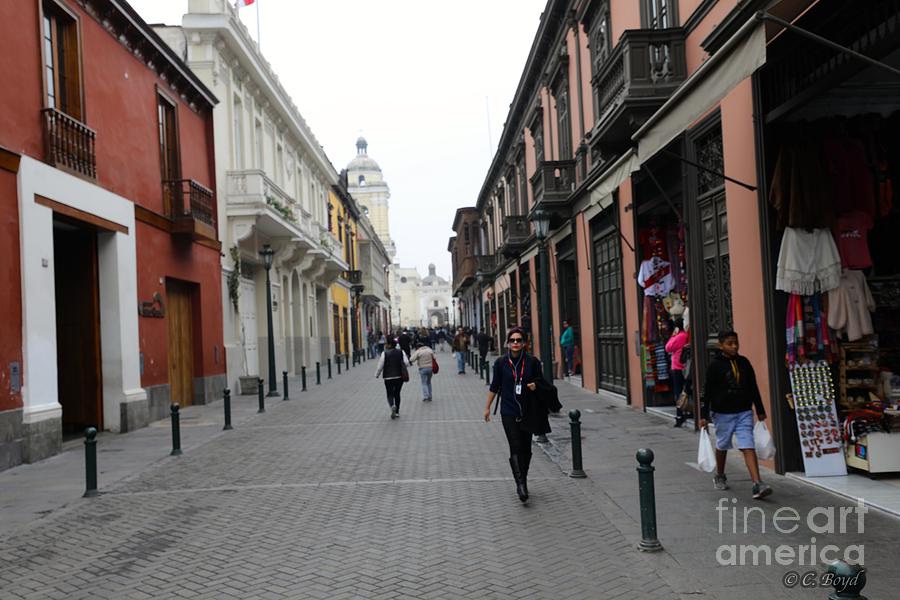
(435, 367)
(684, 402)
(404, 372)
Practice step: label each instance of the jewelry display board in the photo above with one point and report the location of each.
(817, 422)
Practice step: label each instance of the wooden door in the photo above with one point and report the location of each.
(79, 379)
(181, 342)
(612, 367)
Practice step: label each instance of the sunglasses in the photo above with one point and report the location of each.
(515, 340)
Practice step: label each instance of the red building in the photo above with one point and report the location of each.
(113, 300)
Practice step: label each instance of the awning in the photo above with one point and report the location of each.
(736, 60)
(601, 190)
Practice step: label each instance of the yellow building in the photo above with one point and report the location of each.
(343, 222)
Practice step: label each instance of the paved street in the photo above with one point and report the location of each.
(326, 497)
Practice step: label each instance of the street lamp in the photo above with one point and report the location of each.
(267, 255)
(541, 220)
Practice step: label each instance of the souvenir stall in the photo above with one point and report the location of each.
(836, 209)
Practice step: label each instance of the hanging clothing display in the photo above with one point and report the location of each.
(808, 262)
(850, 306)
(851, 233)
(801, 201)
(655, 276)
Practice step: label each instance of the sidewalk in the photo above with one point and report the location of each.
(688, 522)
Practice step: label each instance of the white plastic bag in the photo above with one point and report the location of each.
(706, 456)
(762, 439)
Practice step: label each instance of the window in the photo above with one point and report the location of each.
(362, 181)
(659, 14)
(523, 186)
(62, 64)
(237, 117)
(169, 164)
(168, 139)
(562, 119)
(513, 192)
(340, 228)
(279, 165)
(538, 145)
(258, 143)
(330, 211)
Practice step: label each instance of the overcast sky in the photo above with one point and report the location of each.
(419, 79)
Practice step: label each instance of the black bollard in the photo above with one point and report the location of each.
(329, 367)
(262, 396)
(480, 369)
(846, 579)
(176, 430)
(90, 462)
(318, 373)
(487, 373)
(303, 378)
(226, 402)
(284, 378)
(347, 361)
(337, 359)
(577, 469)
(647, 493)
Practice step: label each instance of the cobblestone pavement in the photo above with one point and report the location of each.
(326, 497)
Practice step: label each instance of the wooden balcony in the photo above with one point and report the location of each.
(642, 71)
(464, 272)
(488, 265)
(516, 232)
(190, 206)
(553, 184)
(354, 277)
(69, 144)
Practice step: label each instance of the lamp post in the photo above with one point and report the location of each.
(541, 220)
(267, 255)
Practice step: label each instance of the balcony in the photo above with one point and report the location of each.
(464, 273)
(69, 144)
(190, 206)
(354, 277)
(515, 233)
(254, 197)
(642, 71)
(553, 184)
(488, 265)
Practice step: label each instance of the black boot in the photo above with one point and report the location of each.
(517, 475)
(524, 462)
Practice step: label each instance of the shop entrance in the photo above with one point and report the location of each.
(79, 377)
(180, 316)
(830, 161)
(612, 367)
(567, 273)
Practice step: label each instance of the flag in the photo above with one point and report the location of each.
(243, 3)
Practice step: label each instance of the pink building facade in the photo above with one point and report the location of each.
(657, 135)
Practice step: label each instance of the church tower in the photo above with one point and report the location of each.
(366, 184)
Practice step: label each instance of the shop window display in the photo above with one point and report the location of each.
(833, 194)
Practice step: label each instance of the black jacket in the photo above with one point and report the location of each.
(723, 392)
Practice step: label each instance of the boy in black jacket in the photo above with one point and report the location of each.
(729, 392)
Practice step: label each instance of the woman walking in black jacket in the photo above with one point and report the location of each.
(392, 364)
(515, 376)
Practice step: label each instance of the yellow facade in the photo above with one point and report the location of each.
(340, 217)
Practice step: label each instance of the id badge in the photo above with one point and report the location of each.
(518, 389)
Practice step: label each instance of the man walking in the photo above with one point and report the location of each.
(484, 344)
(729, 393)
(567, 343)
(405, 343)
(460, 347)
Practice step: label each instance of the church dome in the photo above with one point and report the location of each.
(362, 162)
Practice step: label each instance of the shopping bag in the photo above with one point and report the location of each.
(434, 366)
(706, 456)
(762, 439)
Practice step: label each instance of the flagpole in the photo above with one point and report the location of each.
(258, 40)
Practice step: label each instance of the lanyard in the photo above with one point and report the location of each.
(735, 370)
(521, 376)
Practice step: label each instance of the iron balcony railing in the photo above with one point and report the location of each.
(69, 144)
(187, 199)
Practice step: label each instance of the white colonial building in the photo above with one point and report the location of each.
(272, 178)
(418, 301)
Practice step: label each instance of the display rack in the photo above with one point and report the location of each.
(858, 372)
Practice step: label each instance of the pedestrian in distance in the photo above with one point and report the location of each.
(515, 378)
(675, 347)
(422, 358)
(567, 343)
(484, 344)
(405, 342)
(392, 365)
(460, 347)
(729, 393)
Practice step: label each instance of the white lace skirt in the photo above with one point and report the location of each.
(808, 262)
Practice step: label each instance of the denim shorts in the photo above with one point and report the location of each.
(739, 424)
